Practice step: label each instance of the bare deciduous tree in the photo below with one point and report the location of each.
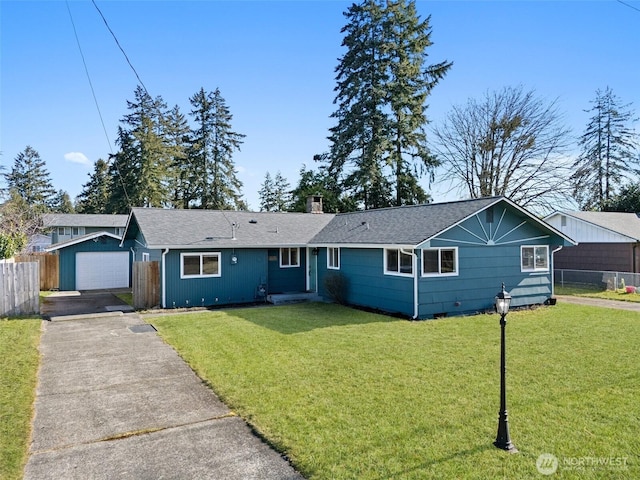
(510, 143)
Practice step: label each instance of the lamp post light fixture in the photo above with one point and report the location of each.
(503, 440)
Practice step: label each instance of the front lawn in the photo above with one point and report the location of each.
(619, 294)
(347, 394)
(19, 355)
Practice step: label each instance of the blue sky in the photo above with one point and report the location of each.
(274, 62)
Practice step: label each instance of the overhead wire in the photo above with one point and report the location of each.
(629, 5)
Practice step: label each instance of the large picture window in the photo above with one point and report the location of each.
(397, 263)
(333, 258)
(439, 261)
(289, 257)
(535, 258)
(200, 265)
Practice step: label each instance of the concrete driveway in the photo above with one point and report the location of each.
(113, 401)
(85, 302)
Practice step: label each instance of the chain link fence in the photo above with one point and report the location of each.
(594, 279)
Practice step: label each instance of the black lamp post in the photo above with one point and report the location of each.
(503, 440)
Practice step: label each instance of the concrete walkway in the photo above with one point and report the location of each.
(600, 302)
(114, 401)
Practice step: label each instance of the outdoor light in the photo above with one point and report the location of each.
(503, 440)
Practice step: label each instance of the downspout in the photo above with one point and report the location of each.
(414, 257)
(164, 283)
(553, 271)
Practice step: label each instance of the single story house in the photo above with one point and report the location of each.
(67, 226)
(607, 241)
(38, 243)
(420, 261)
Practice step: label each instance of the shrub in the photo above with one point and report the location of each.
(336, 286)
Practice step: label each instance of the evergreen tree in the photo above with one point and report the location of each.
(608, 149)
(210, 155)
(274, 193)
(320, 182)
(30, 180)
(62, 203)
(379, 142)
(94, 197)
(176, 134)
(140, 165)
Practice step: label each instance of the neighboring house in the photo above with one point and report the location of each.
(67, 226)
(419, 261)
(94, 261)
(38, 243)
(606, 241)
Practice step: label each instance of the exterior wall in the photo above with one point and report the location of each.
(583, 231)
(291, 279)
(55, 238)
(614, 257)
(238, 282)
(68, 258)
(367, 285)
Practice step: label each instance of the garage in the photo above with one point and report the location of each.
(99, 270)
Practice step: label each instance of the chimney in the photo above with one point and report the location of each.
(314, 204)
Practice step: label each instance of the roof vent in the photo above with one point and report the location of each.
(253, 220)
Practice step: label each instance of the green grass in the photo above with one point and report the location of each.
(126, 297)
(19, 353)
(352, 395)
(592, 292)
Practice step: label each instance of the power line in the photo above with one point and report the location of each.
(120, 46)
(629, 5)
(95, 99)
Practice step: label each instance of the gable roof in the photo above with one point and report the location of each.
(81, 239)
(622, 223)
(410, 225)
(189, 229)
(84, 220)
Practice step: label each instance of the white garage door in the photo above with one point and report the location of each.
(96, 270)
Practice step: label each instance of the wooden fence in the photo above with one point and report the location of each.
(146, 285)
(49, 268)
(19, 289)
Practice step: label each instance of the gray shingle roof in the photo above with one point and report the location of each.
(620, 222)
(84, 220)
(163, 228)
(409, 225)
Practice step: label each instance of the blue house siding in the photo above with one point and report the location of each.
(238, 282)
(289, 279)
(67, 273)
(367, 285)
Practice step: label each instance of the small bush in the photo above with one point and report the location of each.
(336, 286)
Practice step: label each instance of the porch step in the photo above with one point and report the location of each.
(280, 298)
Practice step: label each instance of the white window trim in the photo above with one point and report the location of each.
(330, 256)
(439, 274)
(398, 273)
(534, 269)
(145, 258)
(201, 254)
(66, 231)
(290, 265)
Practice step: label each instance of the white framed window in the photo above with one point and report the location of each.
(200, 265)
(333, 258)
(397, 263)
(289, 257)
(534, 258)
(64, 230)
(145, 256)
(76, 231)
(440, 262)
(119, 231)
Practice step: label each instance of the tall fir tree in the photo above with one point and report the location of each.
(608, 152)
(30, 179)
(210, 155)
(378, 146)
(140, 165)
(176, 132)
(62, 203)
(274, 193)
(94, 196)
